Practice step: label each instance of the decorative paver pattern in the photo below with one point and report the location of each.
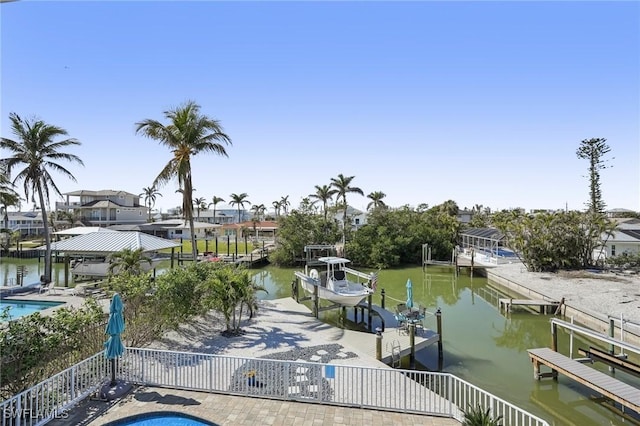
(238, 410)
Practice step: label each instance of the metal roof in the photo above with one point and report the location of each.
(81, 230)
(488, 233)
(111, 242)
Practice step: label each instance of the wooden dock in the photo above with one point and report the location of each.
(620, 392)
(396, 343)
(544, 305)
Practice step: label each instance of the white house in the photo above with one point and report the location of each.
(105, 207)
(27, 223)
(355, 217)
(178, 228)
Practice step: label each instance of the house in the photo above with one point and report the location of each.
(356, 218)
(264, 230)
(180, 229)
(105, 207)
(625, 239)
(27, 223)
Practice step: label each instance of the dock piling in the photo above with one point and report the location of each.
(378, 343)
(439, 330)
(382, 297)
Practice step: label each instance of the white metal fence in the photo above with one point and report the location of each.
(53, 397)
(407, 391)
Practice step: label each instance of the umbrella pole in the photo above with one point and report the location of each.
(113, 372)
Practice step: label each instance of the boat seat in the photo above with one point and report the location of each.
(338, 275)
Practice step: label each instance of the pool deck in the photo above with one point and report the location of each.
(236, 410)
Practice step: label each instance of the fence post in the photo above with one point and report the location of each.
(72, 391)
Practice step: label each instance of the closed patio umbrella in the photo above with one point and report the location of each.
(409, 294)
(113, 348)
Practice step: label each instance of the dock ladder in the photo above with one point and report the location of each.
(395, 353)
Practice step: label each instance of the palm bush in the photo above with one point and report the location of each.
(478, 416)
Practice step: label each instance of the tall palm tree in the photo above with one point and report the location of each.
(258, 210)
(239, 200)
(215, 202)
(187, 134)
(342, 184)
(200, 203)
(376, 200)
(323, 193)
(276, 207)
(150, 193)
(37, 151)
(284, 204)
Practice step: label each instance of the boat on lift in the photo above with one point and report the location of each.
(336, 282)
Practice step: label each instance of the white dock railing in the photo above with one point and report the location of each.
(407, 391)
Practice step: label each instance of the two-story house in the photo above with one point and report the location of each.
(104, 208)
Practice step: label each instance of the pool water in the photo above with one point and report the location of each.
(21, 308)
(161, 419)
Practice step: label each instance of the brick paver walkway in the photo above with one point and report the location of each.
(237, 410)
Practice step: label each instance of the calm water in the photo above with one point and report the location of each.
(481, 345)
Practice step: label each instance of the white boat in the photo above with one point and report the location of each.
(336, 282)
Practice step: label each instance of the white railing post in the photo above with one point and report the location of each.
(175, 375)
(72, 390)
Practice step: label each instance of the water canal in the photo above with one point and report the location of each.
(481, 344)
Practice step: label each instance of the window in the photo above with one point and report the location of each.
(140, 213)
(178, 232)
(613, 250)
(357, 221)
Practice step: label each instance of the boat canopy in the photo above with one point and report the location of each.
(332, 260)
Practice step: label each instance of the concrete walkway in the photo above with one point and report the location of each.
(237, 410)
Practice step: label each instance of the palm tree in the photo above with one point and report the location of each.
(342, 184)
(323, 193)
(200, 203)
(450, 208)
(276, 207)
(37, 151)
(215, 202)
(8, 197)
(376, 200)
(284, 204)
(188, 134)
(239, 200)
(150, 193)
(128, 261)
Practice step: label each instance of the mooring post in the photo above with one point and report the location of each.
(612, 334)
(369, 312)
(378, 343)
(66, 270)
(316, 313)
(439, 328)
(554, 337)
(382, 296)
(412, 343)
(294, 289)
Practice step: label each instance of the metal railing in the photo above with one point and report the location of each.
(407, 391)
(53, 397)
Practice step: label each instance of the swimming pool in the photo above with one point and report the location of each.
(161, 419)
(21, 308)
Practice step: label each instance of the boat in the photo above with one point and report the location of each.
(336, 282)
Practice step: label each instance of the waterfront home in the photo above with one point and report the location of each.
(105, 207)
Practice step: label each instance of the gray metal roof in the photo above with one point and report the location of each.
(488, 233)
(81, 230)
(111, 242)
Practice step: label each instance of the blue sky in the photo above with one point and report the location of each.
(478, 102)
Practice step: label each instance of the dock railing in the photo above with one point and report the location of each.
(407, 391)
